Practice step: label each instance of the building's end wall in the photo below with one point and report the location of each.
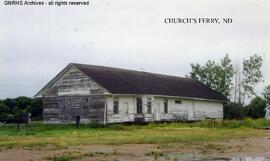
(65, 109)
(74, 82)
(74, 94)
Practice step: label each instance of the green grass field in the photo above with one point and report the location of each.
(64, 135)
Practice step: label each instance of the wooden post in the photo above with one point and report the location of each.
(18, 124)
(78, 121)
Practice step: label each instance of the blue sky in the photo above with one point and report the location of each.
(36, 42)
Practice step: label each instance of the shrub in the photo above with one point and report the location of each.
(256, 108)
(234, 111)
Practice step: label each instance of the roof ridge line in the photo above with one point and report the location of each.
(133, 70)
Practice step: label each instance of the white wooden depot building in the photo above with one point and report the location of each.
(101, 94)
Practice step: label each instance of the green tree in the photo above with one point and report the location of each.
(256, 108)
(226, 76)
(12, 107)
(234, 111)
(196, 71)
(214, 75)
(22, 102)
(4, 110)
(266, 94)
(36, 108)
(252, 75)
(11, 103)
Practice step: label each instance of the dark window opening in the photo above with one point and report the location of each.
(178, 102)
(165, 105)
(115, 105)
(139, 105)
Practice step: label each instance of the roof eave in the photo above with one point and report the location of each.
(180, 97)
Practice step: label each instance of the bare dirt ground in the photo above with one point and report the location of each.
(252, 146)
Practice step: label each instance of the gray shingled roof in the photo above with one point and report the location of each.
(123, 81)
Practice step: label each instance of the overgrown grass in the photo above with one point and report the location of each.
(65, 135)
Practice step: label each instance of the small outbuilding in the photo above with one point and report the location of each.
(108, 95)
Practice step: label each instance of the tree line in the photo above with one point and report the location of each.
(237, 83)
(10, 108)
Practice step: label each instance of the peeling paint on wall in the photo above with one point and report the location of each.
(75, 94)
(187, 110)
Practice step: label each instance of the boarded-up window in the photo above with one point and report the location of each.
(149, 105)
(84, 105)
(115, 105)
(61, 104)
(165, 105)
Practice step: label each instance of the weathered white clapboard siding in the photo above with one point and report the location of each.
(65, 109)
(205, 109)
(187, 110)
(74, 94)
(126, 110)
(74, 82)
